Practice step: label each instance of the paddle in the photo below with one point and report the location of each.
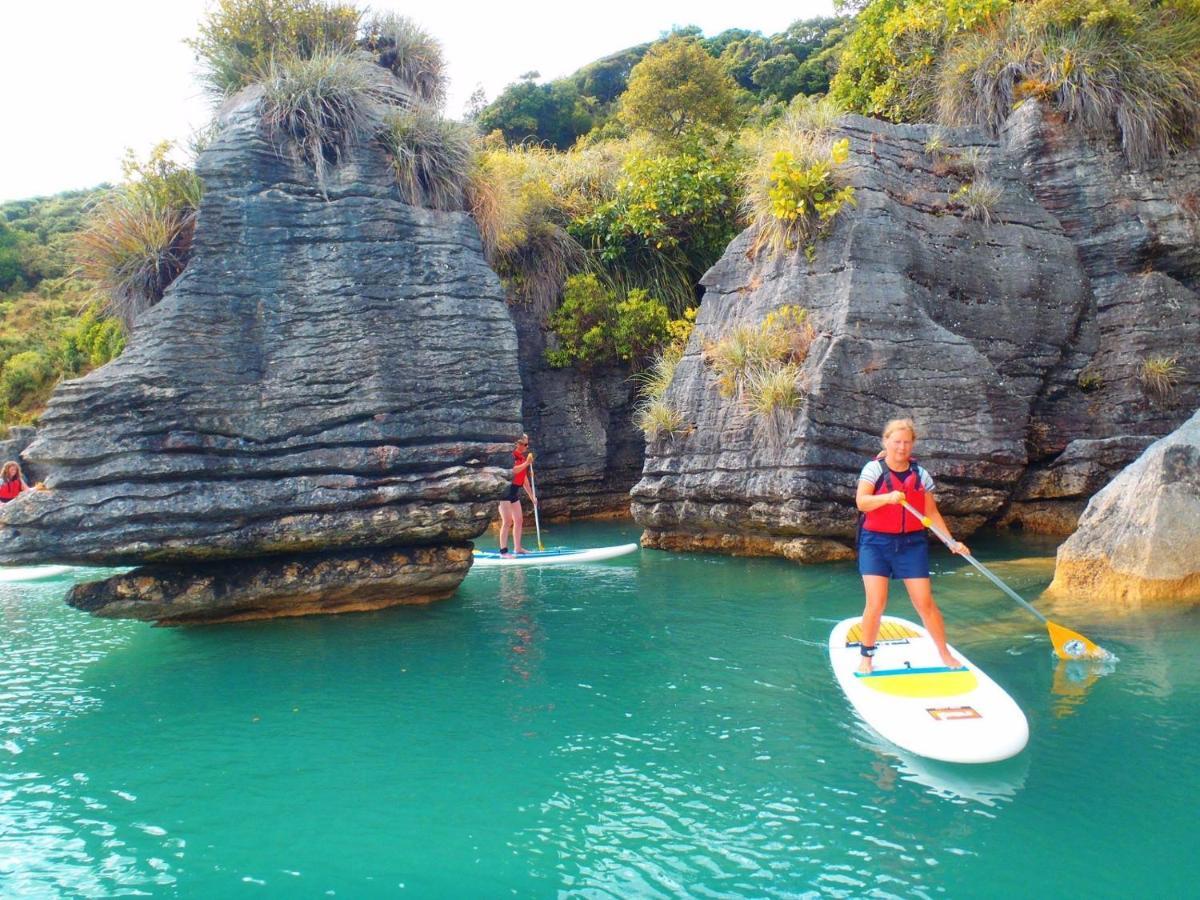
(536, 520)
(1068, 644)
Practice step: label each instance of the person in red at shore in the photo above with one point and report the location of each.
(11, 482)
(892, 542)
(511, 516)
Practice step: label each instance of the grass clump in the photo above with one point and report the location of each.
(410, 53)
(238, 39)
(760, 365)
(137, 238)
(978, 199)
(320, 104)
(432, 157)
(654, 414)
(1133, 65)
(1160, 374)
(791, 189)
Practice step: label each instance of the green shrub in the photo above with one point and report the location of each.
(670, 217)
(594, 326)
(138, 237)
(320, 104)
(677, 88)
(239, 38)
(431, 156)
(410, 53)
(792, 191)
(23, 374)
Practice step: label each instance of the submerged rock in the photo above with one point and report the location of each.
(271, 587)
(1139, 538)
(335, 369)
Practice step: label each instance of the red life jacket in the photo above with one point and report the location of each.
(894, 518)
(518, 458)
(9, 490)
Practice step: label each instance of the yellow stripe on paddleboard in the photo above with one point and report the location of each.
(924, 684)
(888, 631)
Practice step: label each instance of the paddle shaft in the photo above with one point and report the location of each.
(536, 520)
(949, 542)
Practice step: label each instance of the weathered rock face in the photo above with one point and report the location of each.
(329, 373)
(1139, 539)
(921, 312)
(1138, 238)
(589, 454)
(237, 590)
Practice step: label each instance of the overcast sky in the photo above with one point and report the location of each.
(84, 79)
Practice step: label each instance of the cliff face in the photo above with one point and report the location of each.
(329, 373)
(1137, 233)
(980, 332)
(589, 453)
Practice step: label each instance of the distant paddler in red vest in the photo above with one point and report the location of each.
(11, 482)
(892, 542)
(511, 517)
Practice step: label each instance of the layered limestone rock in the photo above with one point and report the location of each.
(1138, 237)
(921, 311)
(589, 453)
(335, 370)
(1139, 538)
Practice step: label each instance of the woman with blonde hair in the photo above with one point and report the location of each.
(892, 542)
(12, 482)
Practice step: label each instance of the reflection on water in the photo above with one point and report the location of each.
(1073, 678)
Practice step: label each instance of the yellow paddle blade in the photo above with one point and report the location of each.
(1070, 644)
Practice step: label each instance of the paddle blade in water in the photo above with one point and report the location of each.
(1070, 644)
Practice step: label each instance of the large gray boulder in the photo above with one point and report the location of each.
(334, 370)
(1139, 538)
(921, 311)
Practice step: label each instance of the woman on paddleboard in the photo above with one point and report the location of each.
(511, 517)
(892, 543)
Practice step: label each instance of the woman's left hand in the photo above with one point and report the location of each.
(960, 548)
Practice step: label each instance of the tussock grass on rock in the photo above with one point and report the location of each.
(410, 53)
(431, 156)
(321, 104)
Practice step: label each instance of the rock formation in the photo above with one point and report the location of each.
(1139, 538)
(334, 371)
(1018, 346)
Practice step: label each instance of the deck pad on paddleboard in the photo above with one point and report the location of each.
(914, 700)
(562, 556)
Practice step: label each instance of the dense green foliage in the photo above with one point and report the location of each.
(796, 61)
(1128, 65)
(555, 114)
(237, 39)
(35, 238)
(676, 89)
(596, 326)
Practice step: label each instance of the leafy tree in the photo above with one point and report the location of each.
(677, 88)
(552, 113)
(595, 327)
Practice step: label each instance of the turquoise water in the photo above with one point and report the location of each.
(659, 725)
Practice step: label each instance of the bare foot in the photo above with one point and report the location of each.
(950, 661)
(520, 551)
(864, 667)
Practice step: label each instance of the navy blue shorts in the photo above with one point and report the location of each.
(514, 493)
(893, 555)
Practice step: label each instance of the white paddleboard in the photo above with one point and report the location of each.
(486, 558)
(919, 704)
(32, 573)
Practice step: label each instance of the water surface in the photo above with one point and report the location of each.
(658, 725)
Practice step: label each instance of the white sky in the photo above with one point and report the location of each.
(84, 79)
